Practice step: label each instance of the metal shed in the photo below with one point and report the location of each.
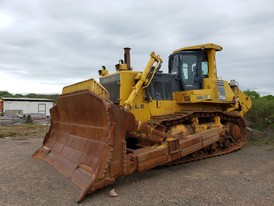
(11, 105)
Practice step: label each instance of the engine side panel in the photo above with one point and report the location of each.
(162, 87)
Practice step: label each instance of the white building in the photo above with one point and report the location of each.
(10, 106)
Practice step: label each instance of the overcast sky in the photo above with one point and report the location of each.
(47, 44)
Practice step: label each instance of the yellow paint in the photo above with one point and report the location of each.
(199, 47)
(133, 94)
(121, 67)
(143, 80)
(91, 85)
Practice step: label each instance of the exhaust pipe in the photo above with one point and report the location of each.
(127, 57)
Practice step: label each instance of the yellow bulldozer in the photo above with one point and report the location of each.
(132, 121)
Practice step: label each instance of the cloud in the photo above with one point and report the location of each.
(50, 44)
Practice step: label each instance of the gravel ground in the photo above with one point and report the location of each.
(245, 177)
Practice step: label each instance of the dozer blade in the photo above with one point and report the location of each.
(86, 140)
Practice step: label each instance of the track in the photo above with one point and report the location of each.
(234, 139)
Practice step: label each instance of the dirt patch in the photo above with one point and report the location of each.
(240, 178)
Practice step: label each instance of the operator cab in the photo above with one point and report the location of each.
(187, 70)
(191, 68)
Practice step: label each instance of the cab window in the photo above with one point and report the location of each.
(189, 69)
(174, 65)
(204, 65)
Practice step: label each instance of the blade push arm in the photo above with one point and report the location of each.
(144, 79)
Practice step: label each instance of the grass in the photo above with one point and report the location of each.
(262, 138)
(267, 140)
(24, 130)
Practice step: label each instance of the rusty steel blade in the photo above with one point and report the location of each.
(86, 140)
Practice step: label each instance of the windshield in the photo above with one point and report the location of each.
(191, 67)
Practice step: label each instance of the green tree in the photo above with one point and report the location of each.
(18, 95)
(5, 94)
(268, 97)
(252, 94)
(31, 95)
(262, 112)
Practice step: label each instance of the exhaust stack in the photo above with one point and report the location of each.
(127, 57)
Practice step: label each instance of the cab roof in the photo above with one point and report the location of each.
(199, 47)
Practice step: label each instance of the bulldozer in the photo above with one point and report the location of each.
(131, 121)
